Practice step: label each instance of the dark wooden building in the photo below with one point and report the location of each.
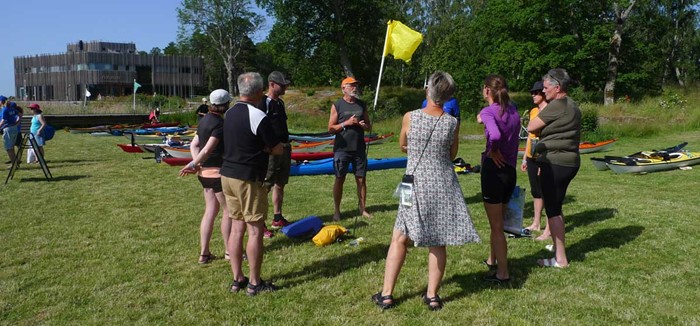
(105, 69)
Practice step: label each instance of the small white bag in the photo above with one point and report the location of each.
(31, 156)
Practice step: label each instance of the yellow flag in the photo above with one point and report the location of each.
(401, 41)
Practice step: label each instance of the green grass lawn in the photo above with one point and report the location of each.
(114, 239)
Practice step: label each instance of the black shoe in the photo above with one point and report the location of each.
(378, 299)
(491, 267)
(435, 299)
(493, 278)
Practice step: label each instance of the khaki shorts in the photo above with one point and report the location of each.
(246, 200)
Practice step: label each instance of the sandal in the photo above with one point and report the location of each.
(491, 267)
(253, 289)
(379, 299)
(238, 285)
(493, 278)
(429, 302)
(206, 259)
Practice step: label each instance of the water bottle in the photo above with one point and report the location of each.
(356, 242)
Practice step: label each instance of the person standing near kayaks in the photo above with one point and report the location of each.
(559, 128)
(348, 121)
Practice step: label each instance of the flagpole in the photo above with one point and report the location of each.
(134, 96)
(381, 69)
(85, 97)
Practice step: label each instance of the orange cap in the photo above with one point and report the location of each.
(348, 81)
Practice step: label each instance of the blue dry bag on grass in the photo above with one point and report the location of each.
(304, 228)
(513, 222)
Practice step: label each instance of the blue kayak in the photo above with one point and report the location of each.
(326, 166)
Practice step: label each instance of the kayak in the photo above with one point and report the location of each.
(176, 161)
(325, 166)
(311, 156)
(312, 147)
(160, 125)
(584, 147)
(601, 163)
(179, 152)
(378, 139)
(130, 148)
(646, 165)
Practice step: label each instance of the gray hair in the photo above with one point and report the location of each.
(250, 83)
(441, 87)
(558, 76)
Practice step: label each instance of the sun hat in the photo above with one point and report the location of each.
(219, 96)
(34, 106)
(278, 78)
(348, 81)
(538, 86)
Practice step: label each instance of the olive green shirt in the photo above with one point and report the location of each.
(561, 135)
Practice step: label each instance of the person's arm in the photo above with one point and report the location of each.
(194, 146)
(333, 126)
(364, 123)
(494, 136)
(43, 124)
(403, 135)
(535, 125)
(455, 143)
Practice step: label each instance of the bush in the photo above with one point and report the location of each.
(589, 120)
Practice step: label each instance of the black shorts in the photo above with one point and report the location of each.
(497, 184)
(342, 160)
(535, 186)
(278, 166)
(213, 183)
(555, 180)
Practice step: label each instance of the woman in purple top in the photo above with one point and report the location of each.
(501, 127)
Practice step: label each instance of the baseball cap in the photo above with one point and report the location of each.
(219, 96)
(348, 81)
(34, 106)
(204, 99)
(3, 98)
(278, 78)
(538, 86)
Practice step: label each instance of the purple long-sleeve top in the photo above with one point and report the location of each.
(501, 131)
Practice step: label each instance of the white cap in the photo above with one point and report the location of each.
(219, 96)
(204, 99)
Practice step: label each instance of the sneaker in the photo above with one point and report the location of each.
(281, 223)
(268, 234)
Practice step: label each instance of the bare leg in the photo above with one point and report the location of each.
(41, 150)
(556, 224)
(362, 196)
(394, 261)
(225, 220)
(437, 259)
(235, 248)
(254, 249)
(337, 196)
(211, 209)
(499, 248)
(538, 204)
(277, 198)
(11, 153)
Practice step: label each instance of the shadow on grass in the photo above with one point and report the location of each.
(588, 217)
(334, 266)
(521, 267)
(349, 215)
(49, 162)
(56, 179)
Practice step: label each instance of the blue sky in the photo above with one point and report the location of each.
(47, 26)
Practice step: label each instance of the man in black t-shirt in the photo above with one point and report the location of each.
(278, 167)
(249, 139)
(203, 109)
(348, 121)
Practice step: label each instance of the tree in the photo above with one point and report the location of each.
(156, 51)
(615, 43)
(319, 39)
(171, 49)
(228, 25)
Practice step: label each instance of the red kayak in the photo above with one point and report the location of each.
(311, 156)
(177, 161)
(160, 125)
(130, 148)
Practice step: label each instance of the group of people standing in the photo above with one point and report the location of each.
(11, 126)
(242, 152)
(438, 215)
